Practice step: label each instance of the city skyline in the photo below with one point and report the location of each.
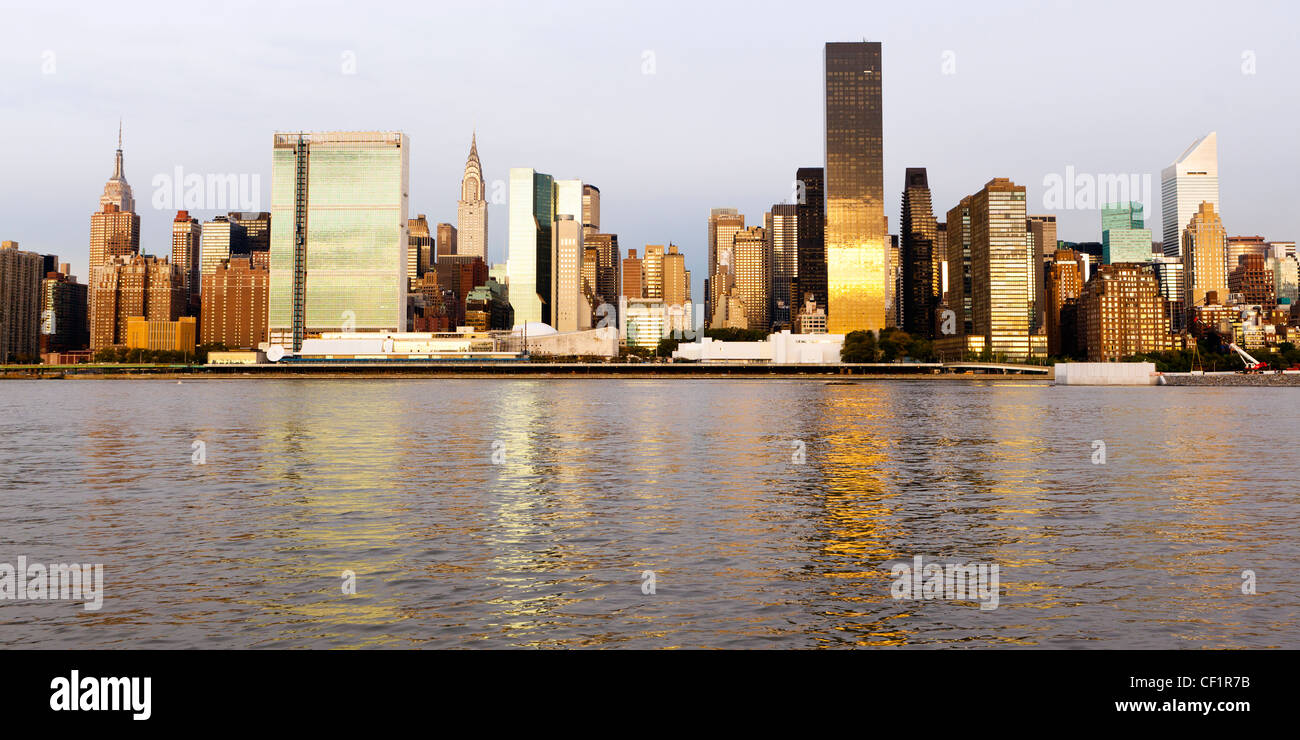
(659, 176)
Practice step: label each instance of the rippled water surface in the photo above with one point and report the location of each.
(699, 481)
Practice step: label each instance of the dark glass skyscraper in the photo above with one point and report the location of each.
(810, 215)
(857, 243)
(917, 231)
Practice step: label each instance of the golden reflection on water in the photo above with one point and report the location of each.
(307, 479)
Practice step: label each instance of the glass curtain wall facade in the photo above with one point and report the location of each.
(339, 233)
(532, 213)
(857, 242)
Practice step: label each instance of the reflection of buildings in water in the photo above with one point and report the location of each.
(856, 531)
(334, 497)
(539, 437)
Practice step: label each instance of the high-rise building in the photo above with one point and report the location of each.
(1122, 313)
(1281, 249)
(653, 265)
(20, 303)
(1205, 246)
(186, 237)
(959, 265)
(941, 259)
(633, 276)
(235, 304)
(449, 241)
(486, 307)
(569, 198)
(113, 233)
(64, 310)
(1173, 288)
(1252, 279)
(115, 228)
(222, 239)
(256, 234)
(457, 275)
(1064, 286)
(419, 247)
(1002, 295)
(724, 223)
(572, 311)
(1042, 245)
(919, 270)
(607, 267)
(783, 233)
(471, 210)
(676, 278)
(136, 286)
(532, 211)
(857, 235)
(338, 233)
(1191, 180)
(810, 213)
(1122, 216)
(1123, 235)
(1286, 278)
(1240, 246)
(117, 191)
(590, 210)
(590, 269)
(752, 276)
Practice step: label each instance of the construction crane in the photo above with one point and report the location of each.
(1252, 365)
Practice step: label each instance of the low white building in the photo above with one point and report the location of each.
(782, 349)
(602, 342)
(463, 344)
(1106, 373)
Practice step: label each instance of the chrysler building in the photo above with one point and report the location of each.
(471, 212)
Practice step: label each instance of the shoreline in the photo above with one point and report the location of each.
(536, 371)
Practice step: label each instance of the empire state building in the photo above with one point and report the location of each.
(115, 228)
(117, 190)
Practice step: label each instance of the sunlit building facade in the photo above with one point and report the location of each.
(783, 234)
(471, 209)
(532, 213)
(1191, 180)
(1205, 246)
(1123, 313)
(857, 237)
(1002, 295)
(920, 273)
(339, 206)
(752, 272)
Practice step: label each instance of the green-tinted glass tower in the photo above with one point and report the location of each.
(338, 234)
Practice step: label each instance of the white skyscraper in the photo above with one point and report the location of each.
(1192, 179)
(568, 199)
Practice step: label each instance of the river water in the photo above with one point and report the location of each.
(538, 513)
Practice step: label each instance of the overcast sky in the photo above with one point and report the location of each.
(671, 108)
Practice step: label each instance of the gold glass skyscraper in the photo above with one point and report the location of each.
(857, 265)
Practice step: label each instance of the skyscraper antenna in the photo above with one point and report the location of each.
(119, 133)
